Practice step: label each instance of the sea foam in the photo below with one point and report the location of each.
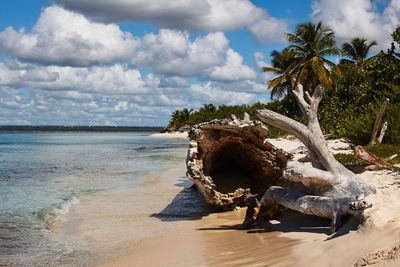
(56, 212)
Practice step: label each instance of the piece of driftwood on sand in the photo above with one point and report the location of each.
(334, 191)
(229, 160)
(370, 158)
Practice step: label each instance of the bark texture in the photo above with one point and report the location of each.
(229, 160)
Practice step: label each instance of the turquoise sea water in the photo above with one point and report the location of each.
(44, 175)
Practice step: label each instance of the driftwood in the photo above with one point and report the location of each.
(383, 131)
(325, 207)
(332, 188)
(378, 119)
(229, 160)
(391, 157)
(370, 158)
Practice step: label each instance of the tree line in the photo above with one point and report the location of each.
(355, 87)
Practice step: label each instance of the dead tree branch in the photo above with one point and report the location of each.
(333, 186)
(378, 122)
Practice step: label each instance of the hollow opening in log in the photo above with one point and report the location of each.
(233, 164)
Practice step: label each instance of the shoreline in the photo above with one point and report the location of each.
(209, 239)
(183, 135)
(292, 239)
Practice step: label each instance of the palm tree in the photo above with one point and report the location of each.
(208, 108)
(184, 115)
(311, 43)
(357, 51)
(280, 66)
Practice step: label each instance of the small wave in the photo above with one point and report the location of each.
(56, 212)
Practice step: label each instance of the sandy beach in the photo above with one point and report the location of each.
(293, 239)
(171, 135)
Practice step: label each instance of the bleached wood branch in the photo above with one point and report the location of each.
(382, 133)
(377, 122)
(391, 157)
(334, 186)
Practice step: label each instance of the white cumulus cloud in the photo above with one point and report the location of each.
(233, 69)
(65, 38)
(192, 15)
(212, 93)
(358, 18)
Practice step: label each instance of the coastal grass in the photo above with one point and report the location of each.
(386, 150)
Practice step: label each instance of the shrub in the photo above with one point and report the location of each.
(345, 158)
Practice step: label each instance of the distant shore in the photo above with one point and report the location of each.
(59, 128)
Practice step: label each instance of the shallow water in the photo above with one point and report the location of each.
(60, 193)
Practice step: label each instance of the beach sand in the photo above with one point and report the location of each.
(293, 239)
(171, 135)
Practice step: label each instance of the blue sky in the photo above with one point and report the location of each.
(100, 62)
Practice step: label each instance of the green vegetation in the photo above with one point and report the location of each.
(356, 87)
(345, 158)
(210, 112)
(311, 44)
(385, 151)
(356, 51)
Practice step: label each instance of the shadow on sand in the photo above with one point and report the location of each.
(186, 205)
(291, 221)
(189, 205)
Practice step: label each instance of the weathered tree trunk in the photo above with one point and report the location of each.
(378, 122)
(328, 180)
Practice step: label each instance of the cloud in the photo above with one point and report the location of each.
(171, 53)
(71, 70)
(65, 38)
(107, 95)
(192, 15)
(15, 74)
(116, 79)
(233, 69)
(212, 93)
(358, 18)
(259, 58)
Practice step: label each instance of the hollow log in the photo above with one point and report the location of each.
(328, 181)
(229, 160)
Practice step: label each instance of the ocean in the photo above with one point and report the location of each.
(69, 198)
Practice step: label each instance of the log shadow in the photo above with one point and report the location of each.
(187, 205)
(292, 221)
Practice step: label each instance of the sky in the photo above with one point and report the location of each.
(133, 62)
